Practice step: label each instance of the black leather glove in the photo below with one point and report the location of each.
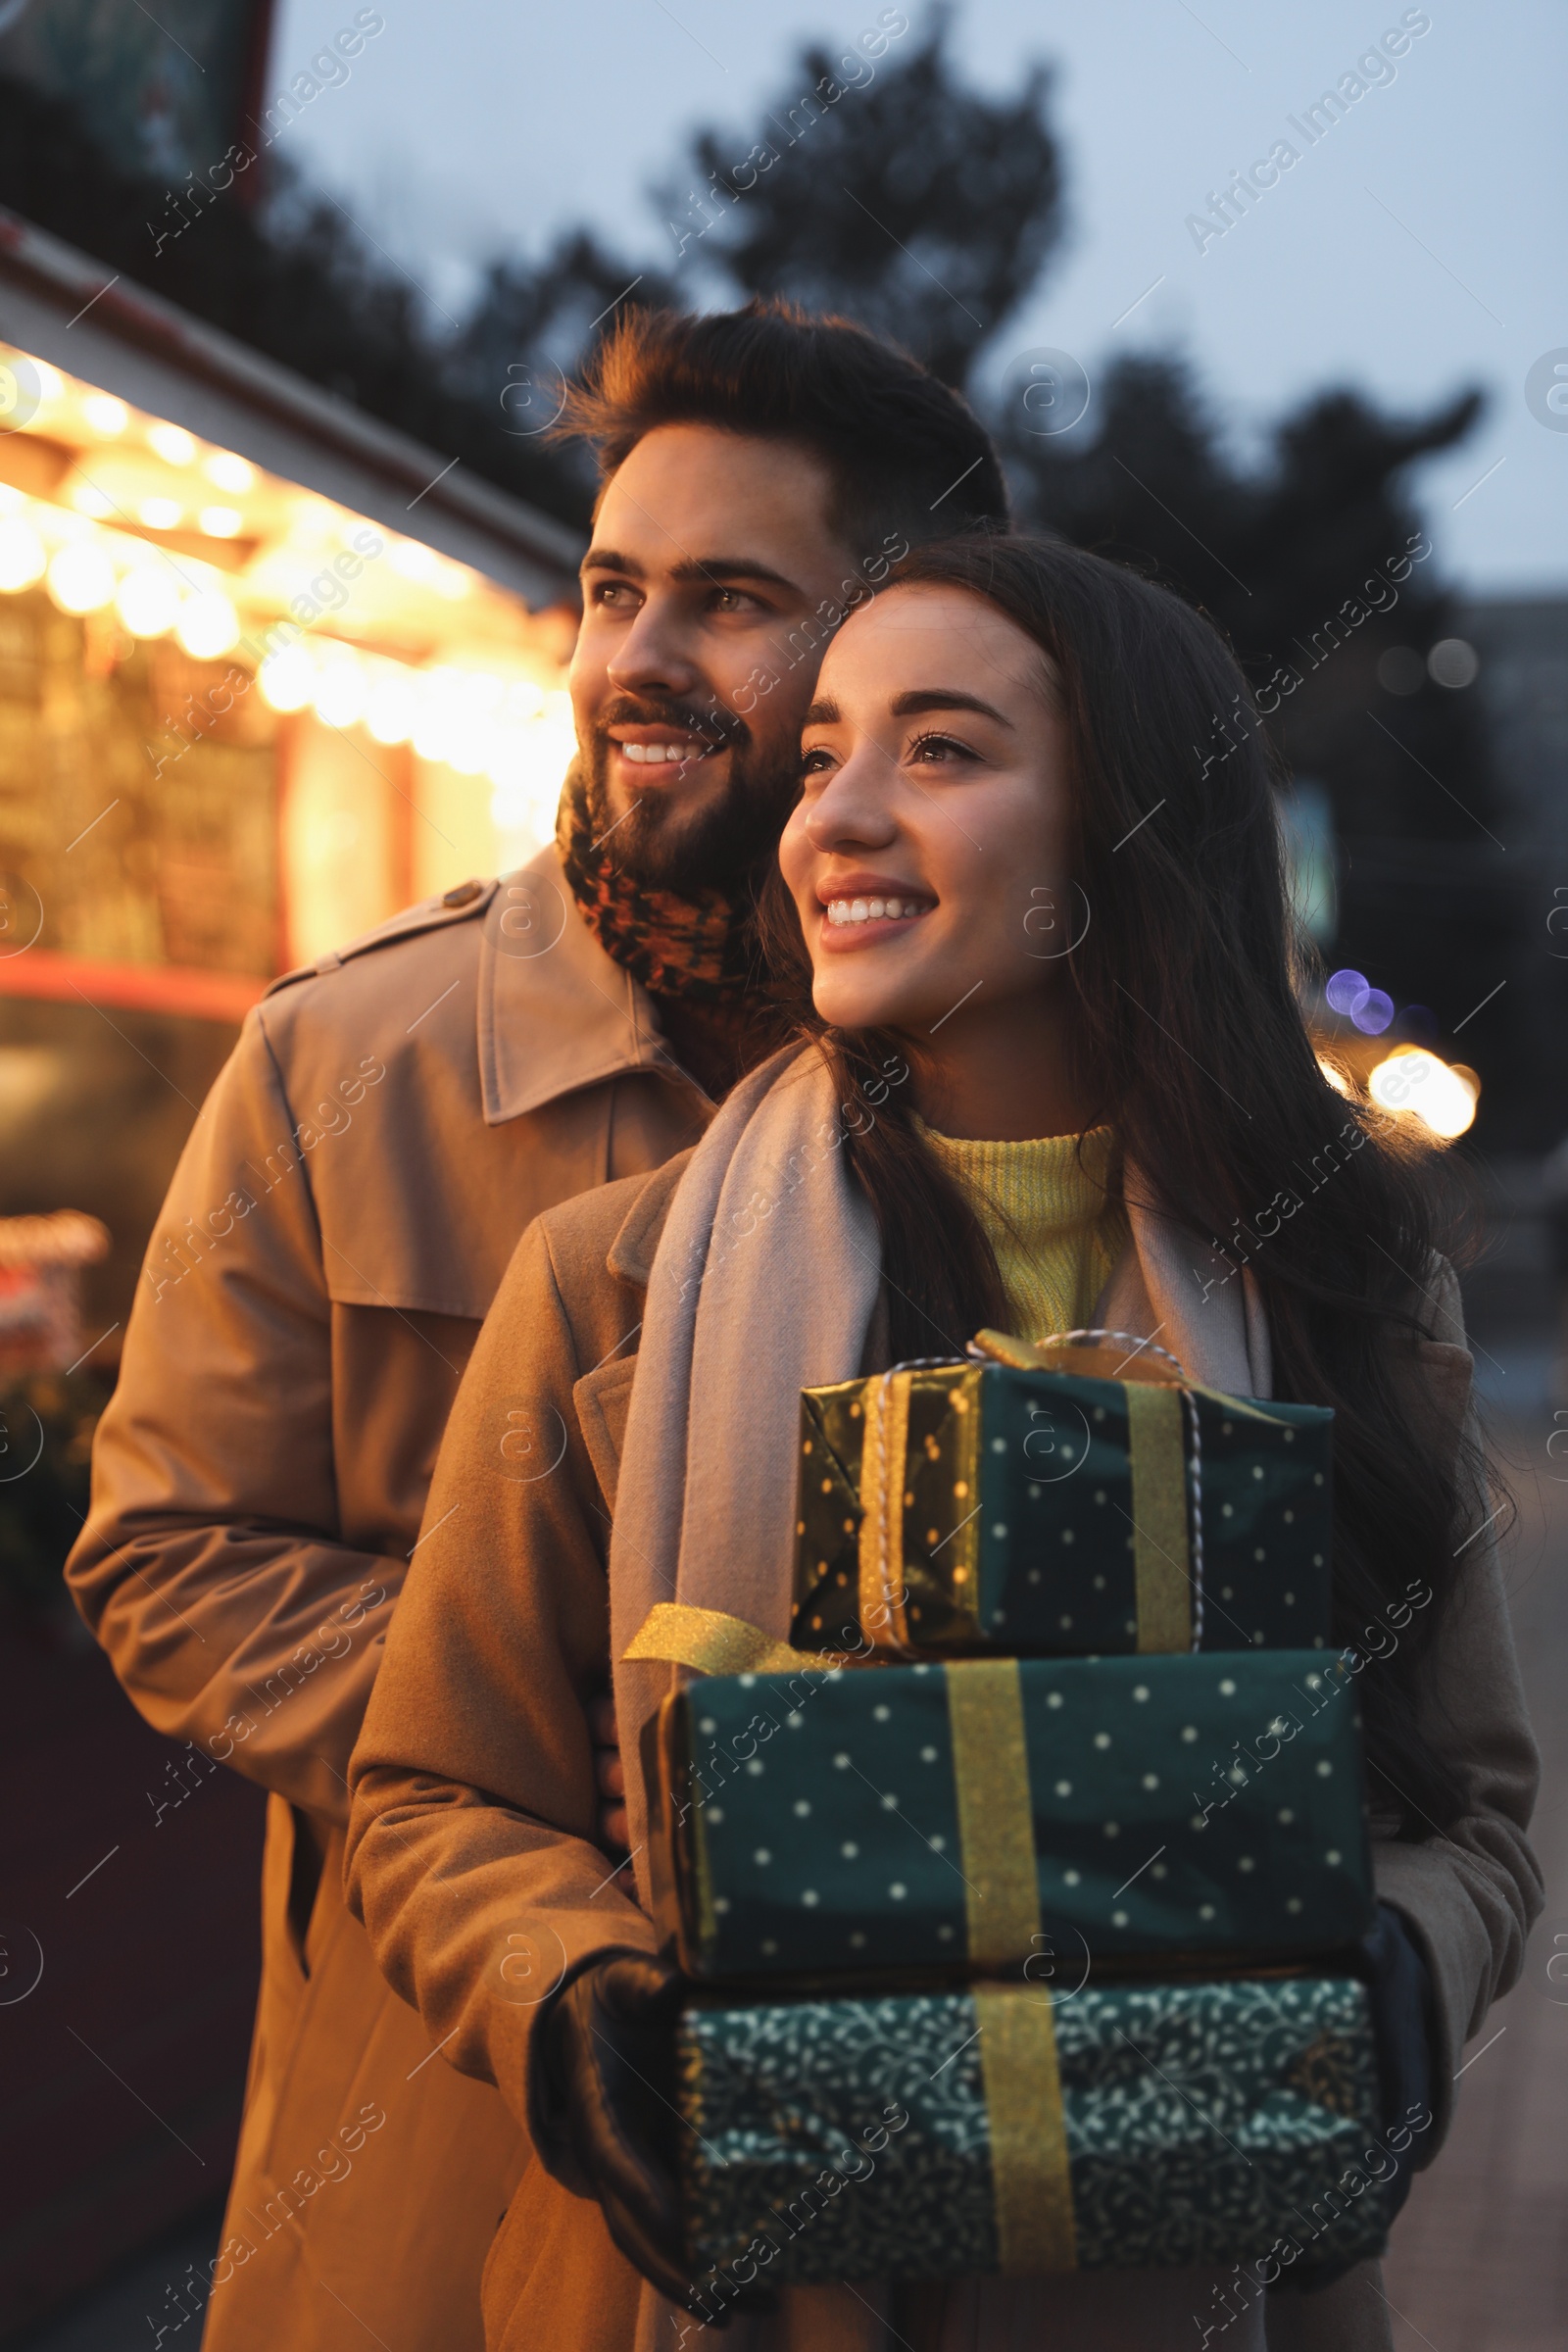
(1402, 2017)
(602, 2105)
(1399, 1990)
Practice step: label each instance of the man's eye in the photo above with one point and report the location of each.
(610, 592)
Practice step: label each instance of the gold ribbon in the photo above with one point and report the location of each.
(882, 1471)
(1157, 1457)
(712, 1642)
(995, 1817)
(1031, 2182)
(1033, 1356)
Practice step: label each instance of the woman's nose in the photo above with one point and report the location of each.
(855, 808)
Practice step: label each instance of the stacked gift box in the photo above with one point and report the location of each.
(1017, 1899)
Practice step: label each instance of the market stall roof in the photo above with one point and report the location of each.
(65, 307)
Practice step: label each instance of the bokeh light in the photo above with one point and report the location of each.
(23, 557)
(1373, 1014)
(208, 625)
(1416, 1083)
(148, 599)
(80, 577)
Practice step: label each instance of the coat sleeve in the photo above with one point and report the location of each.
(211, 1567)
(470, 1852)
(1472, 1893)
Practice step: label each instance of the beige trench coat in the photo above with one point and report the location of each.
(472, 1853)
(346, 1205)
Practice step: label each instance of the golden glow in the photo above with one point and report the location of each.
(208, 625)
(1334, 1076)
(1418, 1084)
(431, 653)
(390, 705)
(147, 599)
(80, 577)
(226, 472)
(172, 443)
(287, 679)
(339, 696)
(24, 556)
(107, 416)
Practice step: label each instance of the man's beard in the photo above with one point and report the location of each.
(660, 845)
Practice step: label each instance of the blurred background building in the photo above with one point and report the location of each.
(287, 579)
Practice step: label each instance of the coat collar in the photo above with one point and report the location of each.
(1166, 1286)
(556, 1013)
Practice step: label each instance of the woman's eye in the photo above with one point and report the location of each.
(815, 762)
(938, 749)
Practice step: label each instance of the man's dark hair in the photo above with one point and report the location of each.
(903, 451)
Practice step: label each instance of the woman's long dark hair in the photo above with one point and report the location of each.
(1194, 1049)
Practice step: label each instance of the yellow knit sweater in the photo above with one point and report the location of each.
(1044, 1210)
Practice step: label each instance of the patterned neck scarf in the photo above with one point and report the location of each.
(700, 948)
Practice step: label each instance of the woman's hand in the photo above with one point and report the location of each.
(610, 1773)
(602, 2108)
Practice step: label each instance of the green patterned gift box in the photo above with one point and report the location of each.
(961, 1508)
(953, 2133)
(971, 1814)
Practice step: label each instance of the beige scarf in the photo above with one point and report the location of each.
(765, 1282)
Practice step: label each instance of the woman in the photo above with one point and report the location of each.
(1031, 908)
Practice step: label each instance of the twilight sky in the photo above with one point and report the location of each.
(1418, 246)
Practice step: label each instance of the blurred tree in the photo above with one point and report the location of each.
(292, 277)
(1298, 559)
(529, 326)
(883, 190)
(1292, 559)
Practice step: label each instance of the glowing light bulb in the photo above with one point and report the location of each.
(221, 522)
(208, 625)
(287, 679)
(416, 562)
(89, 499)
(107, 416)
(81, 578)
(339, 696)
(389, 706)
(159, 514)
(172, 443)
(23, 557)
(148, 601)
(228, 472)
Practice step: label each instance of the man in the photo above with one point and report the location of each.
(390, 1121)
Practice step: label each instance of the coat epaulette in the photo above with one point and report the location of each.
(459, 905)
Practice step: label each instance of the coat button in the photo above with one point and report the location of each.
(462, 895)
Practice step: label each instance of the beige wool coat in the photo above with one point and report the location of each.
(347, 1203)
(471, 1851)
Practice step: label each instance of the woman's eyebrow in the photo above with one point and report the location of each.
(942, 698)
(823, 713)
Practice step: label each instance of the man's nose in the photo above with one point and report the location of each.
(654, 656)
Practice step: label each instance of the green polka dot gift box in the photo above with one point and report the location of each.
(1034, 2130)
(1000, 1505)
(997, 1814)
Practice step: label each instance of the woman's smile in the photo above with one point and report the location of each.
(862, 909)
